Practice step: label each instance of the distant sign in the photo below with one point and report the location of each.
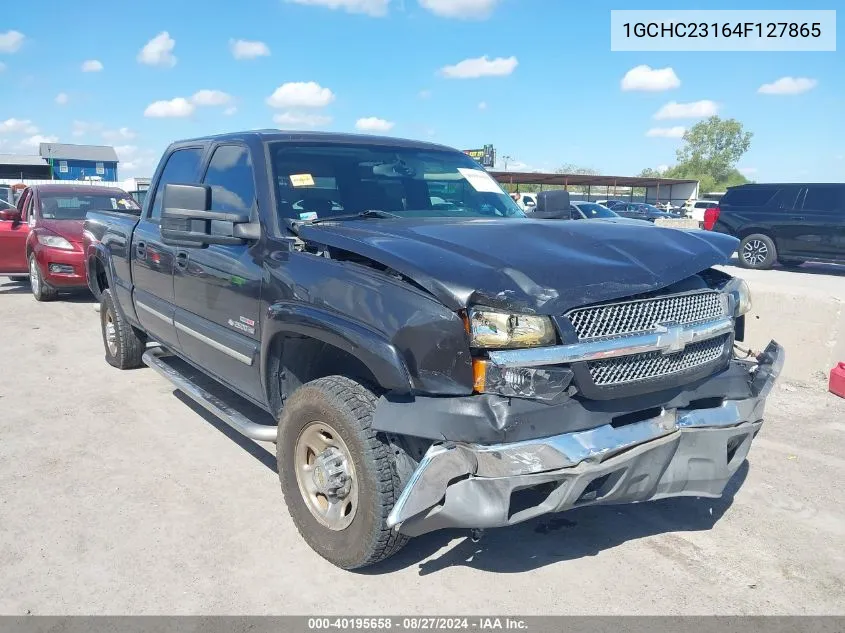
(486, 156)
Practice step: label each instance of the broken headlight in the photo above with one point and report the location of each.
(497, 330)
(741, 293)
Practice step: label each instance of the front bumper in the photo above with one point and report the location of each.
(62, 268)
(680, 452)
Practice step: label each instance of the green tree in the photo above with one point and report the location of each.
(713, 147)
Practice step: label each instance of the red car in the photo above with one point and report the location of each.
(42, 236)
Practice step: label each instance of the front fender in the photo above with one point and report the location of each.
(369, 346)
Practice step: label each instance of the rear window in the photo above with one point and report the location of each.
(74, 206)
(749, 196)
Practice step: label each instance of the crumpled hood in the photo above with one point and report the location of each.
(71, 230)
(542, 266)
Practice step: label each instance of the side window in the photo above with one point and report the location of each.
(785, 198)
(23, 204)
(182, 168)
(754, 196)
(231, 179)
(823, 198)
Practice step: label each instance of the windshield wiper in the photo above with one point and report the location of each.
(369, 213)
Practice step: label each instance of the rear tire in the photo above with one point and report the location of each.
(19, 279)
(327, 422)
(757, 251)
(123, 343)
(41, 290)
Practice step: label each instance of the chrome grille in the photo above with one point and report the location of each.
(633, 317)
(638, 367)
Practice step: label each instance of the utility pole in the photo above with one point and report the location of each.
(506, 159)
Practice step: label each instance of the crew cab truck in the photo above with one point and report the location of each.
(428, 361)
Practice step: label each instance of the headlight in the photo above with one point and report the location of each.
(741, 293)
(54, 241)
(501, 329)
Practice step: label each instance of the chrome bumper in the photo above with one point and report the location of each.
(681, 452)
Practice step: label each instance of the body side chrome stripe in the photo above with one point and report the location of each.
(154, 312)
(663, 340)
(246, 360)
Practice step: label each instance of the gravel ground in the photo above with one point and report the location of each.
(118, 496)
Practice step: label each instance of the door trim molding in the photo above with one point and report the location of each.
(246, 360)
(154, 312)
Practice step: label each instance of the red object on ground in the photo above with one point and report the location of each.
(837, 380)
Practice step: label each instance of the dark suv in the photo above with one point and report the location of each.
(785, 223)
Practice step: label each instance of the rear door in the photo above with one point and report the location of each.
(153, 260)
(13, 239)
(218, 287)
(823, 215)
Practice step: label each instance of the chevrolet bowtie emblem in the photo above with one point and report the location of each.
(672, 338)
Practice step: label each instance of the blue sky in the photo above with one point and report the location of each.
(551, 91)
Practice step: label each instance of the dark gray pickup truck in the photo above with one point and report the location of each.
(422, 354)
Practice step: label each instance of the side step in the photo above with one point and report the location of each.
(155, 359)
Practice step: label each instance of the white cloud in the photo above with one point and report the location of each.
(300, 120)
(300, 94)
(375, 8)
(245, 49)
(662, 168)
(120, 134)
(92, 66)
(480, 67)
(693, 110)
(648, 79)
(748, 170)
(17, 126)
(35, 140)
(470, 9)
(11, 41)
(81, 128)
(62, 98)
(211, 98)
(135, 161)
(667, 132)
(788, 86)
(230, 110)
(178, 107)
(482, 105)
(425, 94)
(159, 51)
(373, 124)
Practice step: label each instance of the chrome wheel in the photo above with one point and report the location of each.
(111, 333)
(755, 252)
(34, 277)
(325, 476)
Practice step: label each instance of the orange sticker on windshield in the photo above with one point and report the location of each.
(302, 180)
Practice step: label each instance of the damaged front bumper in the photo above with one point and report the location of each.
(680, 452)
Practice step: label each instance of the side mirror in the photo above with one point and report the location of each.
(187, 219)
(10, 215)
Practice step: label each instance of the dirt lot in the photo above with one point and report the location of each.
(118, 496)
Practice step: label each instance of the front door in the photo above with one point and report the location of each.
(13, 239)
(218, 288)
(153, 260)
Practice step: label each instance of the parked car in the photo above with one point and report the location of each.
(610, 203)
(42, 236)
(421, 368)
(785, 223)
(642, 211)
(525, 201)
(698, 207)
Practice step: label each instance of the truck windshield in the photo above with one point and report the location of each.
(325, 180)
(74, 206)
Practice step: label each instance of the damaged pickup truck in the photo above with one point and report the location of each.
(422, 354)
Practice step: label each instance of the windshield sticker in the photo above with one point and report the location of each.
(480, 180)
(302, 180)
(308, 215)
(113, 203)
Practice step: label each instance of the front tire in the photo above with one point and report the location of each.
(41, 290)
(124, 344)
(757, 251)
(338, 476)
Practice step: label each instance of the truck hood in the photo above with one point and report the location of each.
(71, 230)
(530, 266)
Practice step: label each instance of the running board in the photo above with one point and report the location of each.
(154, 358)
